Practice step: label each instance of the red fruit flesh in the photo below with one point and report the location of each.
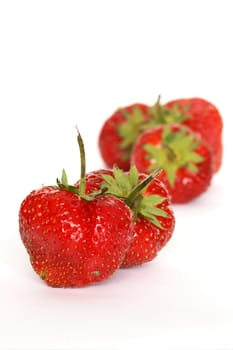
(205, 119)
(110, 140)
(73, 242)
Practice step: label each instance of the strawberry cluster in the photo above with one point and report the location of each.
(120, 217)
(81, 234)
(182, 137)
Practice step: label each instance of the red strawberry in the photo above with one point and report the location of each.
(74, 239)
(154, 218)
(198, 114)
(119, 132)
(182, 154)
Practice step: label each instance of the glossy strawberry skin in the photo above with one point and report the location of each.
(73, 242)
(148, 239)
(109, 139)
(205, 119)
(187, 185)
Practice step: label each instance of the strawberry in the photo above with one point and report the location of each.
(154, 218)
(72, 241)
(198, 114)
(73, 238)
(203, 117)
(119, 132)
(185, 158)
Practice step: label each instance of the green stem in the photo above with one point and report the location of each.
(130, 201)
(156, 111)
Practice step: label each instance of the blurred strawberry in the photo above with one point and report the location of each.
(181, 153)
(198, 114)
(119, 132)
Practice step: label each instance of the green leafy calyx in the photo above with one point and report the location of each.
(136, 121)
(161, 114)
(130, 129)
(81, 191)
(128, 187)
(176, 150)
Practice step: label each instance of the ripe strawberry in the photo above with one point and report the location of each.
(182, 154)
(73, 238)
(203, 117)
(198, 114)
(154, 218)
(72, 241)
(119, 133)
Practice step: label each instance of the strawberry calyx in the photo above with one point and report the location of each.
(176, 150)
(64, 185)
(135, 122)
(81, 191)
(163, 115)
(130, 129)
(129, 188)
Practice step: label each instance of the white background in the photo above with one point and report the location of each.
(67, 63)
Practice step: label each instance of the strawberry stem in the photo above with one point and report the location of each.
(156, 112)
(81, 189)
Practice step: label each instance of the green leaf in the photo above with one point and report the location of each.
(120, 183)
(131, 127)
(64, 179)
(160, 212)
(152, 218)
(152, 200)
(109, 180)
(122, 180)
(168, 136)
(133, 176)
(155, 211)
(193, 168)
(154, 153)
(148, 208)
(196, 158)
